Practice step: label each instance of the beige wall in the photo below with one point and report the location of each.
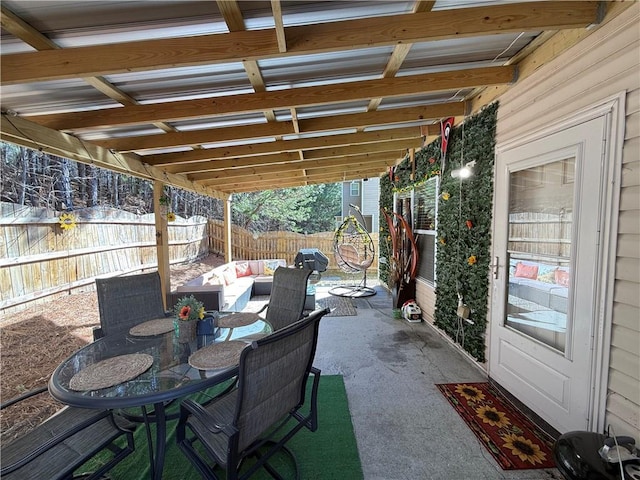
(603, 65)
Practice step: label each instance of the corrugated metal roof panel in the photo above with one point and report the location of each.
(54, 97)
(324, 68)
(463, 52)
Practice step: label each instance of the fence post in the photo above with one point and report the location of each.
(227, 229)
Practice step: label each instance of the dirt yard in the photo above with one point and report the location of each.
(36, 340)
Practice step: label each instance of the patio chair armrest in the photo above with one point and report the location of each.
(203, 416)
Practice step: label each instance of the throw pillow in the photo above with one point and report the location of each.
(526, 271)
(215, 280)
(562, 277)
(270, 266)
(547, 273)
(549, 277)
(229, 275)
(243, 269)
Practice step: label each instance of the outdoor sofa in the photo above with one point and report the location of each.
(229, 287)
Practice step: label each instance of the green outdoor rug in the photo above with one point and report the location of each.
(328, 453)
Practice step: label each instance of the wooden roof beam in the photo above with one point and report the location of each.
(257, 44)
(211, 177)
(306, 180)
(339, 152)
(295, 97)
(213, 135)
(326, 141)
(400, 52)
(22, 132)
(25, 32)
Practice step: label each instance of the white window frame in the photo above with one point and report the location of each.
(413, 195)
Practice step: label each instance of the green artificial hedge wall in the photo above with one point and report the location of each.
(464, 224)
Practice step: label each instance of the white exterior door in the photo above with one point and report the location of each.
(548, 220)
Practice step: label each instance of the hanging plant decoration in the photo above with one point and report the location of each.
(67, 221)
(165, 199)
(165, 203)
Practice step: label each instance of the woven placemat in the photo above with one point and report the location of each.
(152, 327)
(234, 320)
(111, 371)
(218, 355)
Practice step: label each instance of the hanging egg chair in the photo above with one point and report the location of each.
(354, 253)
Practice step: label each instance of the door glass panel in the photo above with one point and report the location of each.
(539, 248)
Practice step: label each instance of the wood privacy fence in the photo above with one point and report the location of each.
(39, 260)
(249, 246)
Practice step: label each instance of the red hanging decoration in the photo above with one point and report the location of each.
(445, 130)
(469, 224)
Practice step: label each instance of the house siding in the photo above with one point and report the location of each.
(371, 202)
(426, 298)
(601, 66)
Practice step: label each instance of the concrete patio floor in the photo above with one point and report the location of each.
(404, 427)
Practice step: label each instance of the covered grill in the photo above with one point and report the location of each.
(311, 259)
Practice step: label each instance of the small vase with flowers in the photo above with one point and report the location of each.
(189, 311)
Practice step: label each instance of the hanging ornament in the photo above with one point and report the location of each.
(445, 130)
(472, 260)
(469, 224)
(443, 241)
(446, 196)
(432, 160)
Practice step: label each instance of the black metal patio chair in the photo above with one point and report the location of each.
(286, 302)
(127, 301)
(288, 295)
(65, 441)
(266, 410)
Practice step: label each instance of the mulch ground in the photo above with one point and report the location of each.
(34, 341)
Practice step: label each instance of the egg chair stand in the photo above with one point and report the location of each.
(354, 253)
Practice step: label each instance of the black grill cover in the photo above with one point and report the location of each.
(311, 259)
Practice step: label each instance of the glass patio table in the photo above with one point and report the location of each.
(149, 370)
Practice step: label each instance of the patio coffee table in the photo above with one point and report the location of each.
(146, 370)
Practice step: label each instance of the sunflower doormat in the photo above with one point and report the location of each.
(514, 441)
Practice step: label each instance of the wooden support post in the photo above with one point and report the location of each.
(412, 158)
(227, 230)
(162, 243)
